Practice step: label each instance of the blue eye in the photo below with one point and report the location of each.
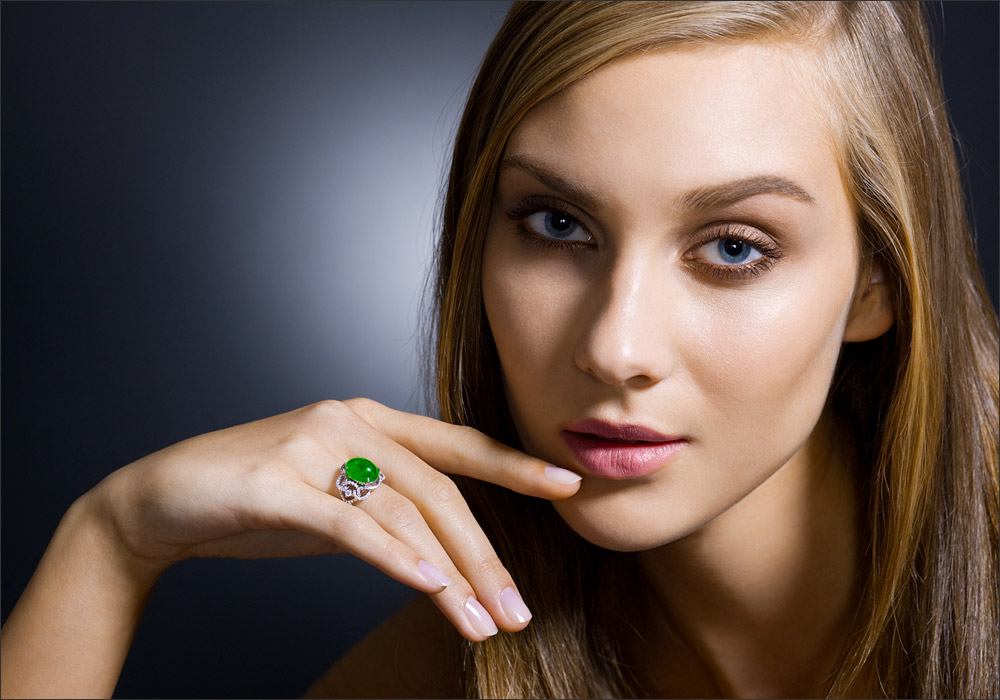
(730, 251)
(557, 225)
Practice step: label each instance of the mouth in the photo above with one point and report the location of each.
(612, 451)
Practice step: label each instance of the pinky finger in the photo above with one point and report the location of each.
(355, 532)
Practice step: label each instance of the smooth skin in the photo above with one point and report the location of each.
(748, 536)
(267, 489)
(609, 298)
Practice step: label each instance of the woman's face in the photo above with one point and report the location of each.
(668, 272)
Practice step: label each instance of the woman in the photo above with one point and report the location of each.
(686, 265)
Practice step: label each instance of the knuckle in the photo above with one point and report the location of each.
(363, 406)
(344, 520)
(491, 567)
(264, 478)
(512, 466)
(401, 513)
(388, 549)
(319, 417)
(467, 438)
(328, 408)
(442, 491)
(296, 444)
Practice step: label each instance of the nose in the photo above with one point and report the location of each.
(626, 339)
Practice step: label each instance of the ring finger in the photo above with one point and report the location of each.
(401, 518)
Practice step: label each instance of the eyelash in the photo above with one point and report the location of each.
(520, 212)
(770, 253)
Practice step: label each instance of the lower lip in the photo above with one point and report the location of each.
(619, 460)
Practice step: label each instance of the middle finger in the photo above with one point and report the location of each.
(444, 511)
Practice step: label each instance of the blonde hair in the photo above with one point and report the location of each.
(922, 399)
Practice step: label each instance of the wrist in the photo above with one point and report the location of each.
(69, 633)
(92, 523)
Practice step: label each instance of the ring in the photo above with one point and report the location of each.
(358, 478)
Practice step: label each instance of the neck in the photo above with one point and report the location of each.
(758, 602)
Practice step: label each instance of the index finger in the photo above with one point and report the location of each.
(459, 449)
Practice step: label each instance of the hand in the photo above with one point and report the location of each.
(268, 489)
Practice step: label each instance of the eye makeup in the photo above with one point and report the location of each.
(732, 235)
(738, 233)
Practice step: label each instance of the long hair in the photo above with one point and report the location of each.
(921, 400)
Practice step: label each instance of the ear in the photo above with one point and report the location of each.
(873, 311)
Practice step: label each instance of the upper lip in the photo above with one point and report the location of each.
(619, 431)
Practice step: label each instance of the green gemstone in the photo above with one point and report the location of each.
(361, 470)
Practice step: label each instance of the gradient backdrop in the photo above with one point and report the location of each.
(214, 212)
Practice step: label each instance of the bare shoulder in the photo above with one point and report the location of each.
(413, 654)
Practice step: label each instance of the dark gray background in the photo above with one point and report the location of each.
(214, 212)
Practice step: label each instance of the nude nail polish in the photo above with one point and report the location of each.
(480, 619)
(433, 574)
(514, 606)
(561, 476)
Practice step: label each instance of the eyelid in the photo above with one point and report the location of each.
(769, 249)
(735, 230)
(756, 236)
(535, 203)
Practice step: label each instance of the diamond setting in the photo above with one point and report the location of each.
(358, 478)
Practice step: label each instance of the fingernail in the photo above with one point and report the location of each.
(561, 476)
(433, 574)
(479, 618)
(514, 605)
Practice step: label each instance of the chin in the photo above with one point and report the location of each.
(615, 521)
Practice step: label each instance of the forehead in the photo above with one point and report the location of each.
(687, 117)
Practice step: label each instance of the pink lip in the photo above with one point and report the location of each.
(599, 449)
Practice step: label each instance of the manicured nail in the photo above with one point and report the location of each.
(561, 476)
(479, 618)
(514, 605)
(433, 574)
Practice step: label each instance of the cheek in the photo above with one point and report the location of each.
(507, 294)
(529, 306)
(763, 366)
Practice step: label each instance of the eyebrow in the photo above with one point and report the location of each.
(729, 193)
(701, 198)
(581, 194)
